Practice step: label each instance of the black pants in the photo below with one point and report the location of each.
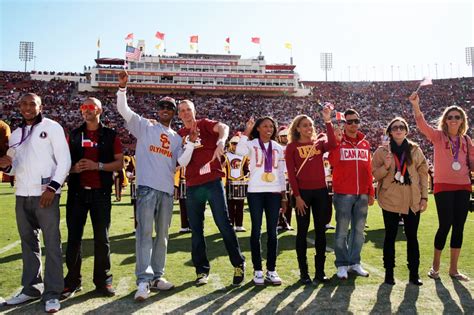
(411, 222)
(452, 208)
(79, 203)
(317, 200)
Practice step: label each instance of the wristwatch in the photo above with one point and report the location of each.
(101, 166)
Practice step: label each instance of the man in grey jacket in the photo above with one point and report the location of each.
(38, 156)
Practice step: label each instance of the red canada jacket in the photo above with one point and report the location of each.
(352, 170)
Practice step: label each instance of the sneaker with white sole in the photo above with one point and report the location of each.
(272, 277)
(202, 279)
(185, 230)
(69, 292)
(240, 229)
(52, 306)
(20, 298)
(342, 272)
(258, 277)
(357, 268)
(161, 284)
(143, 291)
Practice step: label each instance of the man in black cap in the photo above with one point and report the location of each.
(158, 148)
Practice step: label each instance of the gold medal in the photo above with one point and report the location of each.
(270, 177)
(264, 177)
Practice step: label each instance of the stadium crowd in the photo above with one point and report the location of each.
(377, 102)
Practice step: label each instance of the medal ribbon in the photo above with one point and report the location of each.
(454, 148)
(23, 137)
(268, 156)
(399, 163)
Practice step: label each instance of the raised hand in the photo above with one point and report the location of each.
(194, 132)
(388, 160)
(123, 78)
(326, 113)
(249, 126)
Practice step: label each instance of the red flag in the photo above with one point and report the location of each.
(194, 39)
(227, 40)
(340, 116)
(160, 35)
(256, 40)
(129, 36)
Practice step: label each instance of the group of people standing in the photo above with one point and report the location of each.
(41, 158)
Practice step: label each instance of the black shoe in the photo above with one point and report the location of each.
(416, 281)
(106, 290)
(321, 278)
(239, 274)
(305, 279)
(69, 292)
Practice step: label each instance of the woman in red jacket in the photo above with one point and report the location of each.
(304, 161)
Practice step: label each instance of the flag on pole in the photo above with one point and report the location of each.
(129, 37)
(288, 46)
(160, 35)
(255, 40)
(340, 116)
(426, 81)
(132, 53)
(194, 39)
(98, 43)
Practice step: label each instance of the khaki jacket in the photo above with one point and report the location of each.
(398, 198)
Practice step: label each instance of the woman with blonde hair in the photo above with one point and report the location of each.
(453, 153)
(401, 171)
(304, 161)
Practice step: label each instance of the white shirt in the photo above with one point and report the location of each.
(257, 164)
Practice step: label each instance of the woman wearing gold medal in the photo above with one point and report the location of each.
(266, 192)
(453, 153)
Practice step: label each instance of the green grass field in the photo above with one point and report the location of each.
(356, 295)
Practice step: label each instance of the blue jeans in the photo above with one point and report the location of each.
(258, 203)
(350, 209)
(197, 196)
(152, 206)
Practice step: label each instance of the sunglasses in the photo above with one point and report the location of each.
(165, 107)
(88, 107)
(451, 117)
(396, 128)
(353, 121)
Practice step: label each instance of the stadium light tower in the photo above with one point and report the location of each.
(326, 63)
(26, 52)
(470, 58)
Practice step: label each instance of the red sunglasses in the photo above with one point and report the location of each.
(88, 107)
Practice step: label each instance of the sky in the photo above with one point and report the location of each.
(369, 40)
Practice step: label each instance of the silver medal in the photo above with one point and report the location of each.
(11, 152)
(456, 166)
(398, 175)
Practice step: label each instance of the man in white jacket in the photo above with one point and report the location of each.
(39, 158)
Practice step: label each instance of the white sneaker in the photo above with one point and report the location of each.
(20, 298)
(357, 268)
(142, 291)
(342, 272)
(273, 278)
(240, 229)
(258, 277)
(52, 306)
(185, 230)
(161, 284)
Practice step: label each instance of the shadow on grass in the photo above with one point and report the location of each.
(383, 305)
(408, 305)
(334, 296)
(450, 306)
(465, 297)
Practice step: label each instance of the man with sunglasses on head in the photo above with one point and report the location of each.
(353, 193)
(157, 151)
(39, 158)
(96, 152)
